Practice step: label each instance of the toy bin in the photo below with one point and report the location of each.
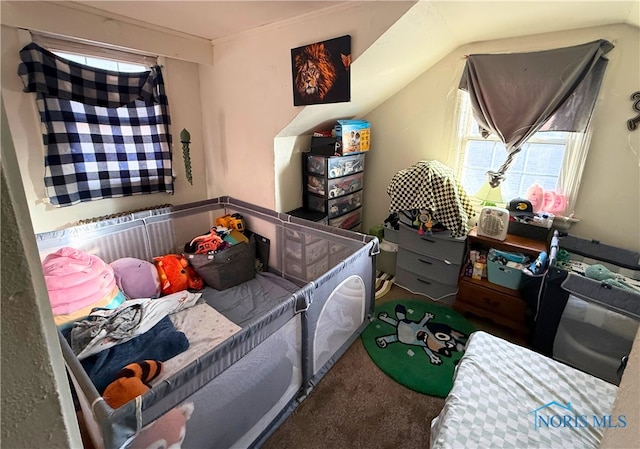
(509, 277)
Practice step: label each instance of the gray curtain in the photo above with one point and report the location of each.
(515, 95)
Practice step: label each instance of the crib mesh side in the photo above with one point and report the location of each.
(282, 336)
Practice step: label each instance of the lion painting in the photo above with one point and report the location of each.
(315, 73)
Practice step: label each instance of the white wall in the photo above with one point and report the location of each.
(251, 99)
(418, 123)
(37, 409)
(183, 89)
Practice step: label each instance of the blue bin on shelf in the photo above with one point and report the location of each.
(501, 274)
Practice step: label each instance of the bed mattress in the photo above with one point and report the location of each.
(505, 395)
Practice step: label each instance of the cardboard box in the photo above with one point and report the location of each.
(354, 135)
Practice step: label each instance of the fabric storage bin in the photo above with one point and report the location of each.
(228, 267)
(504, 275)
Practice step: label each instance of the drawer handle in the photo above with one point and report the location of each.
(491, 302)
(425, 261)
(427, 240)
(423, 281)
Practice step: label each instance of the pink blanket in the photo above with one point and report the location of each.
(76, 279)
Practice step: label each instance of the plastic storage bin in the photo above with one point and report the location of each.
(334, 167)
(509, 277)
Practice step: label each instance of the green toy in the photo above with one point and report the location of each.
(601, 273)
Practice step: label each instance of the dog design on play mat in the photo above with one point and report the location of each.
(434, 338)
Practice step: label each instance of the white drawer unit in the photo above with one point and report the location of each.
(429, 264)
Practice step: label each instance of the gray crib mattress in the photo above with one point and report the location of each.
(252, 299)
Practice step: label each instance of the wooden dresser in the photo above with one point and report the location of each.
(485, 299)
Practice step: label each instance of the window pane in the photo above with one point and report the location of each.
(473, 179)
(545, 159)
(479, 154)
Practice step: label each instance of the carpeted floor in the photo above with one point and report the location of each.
(356, 405)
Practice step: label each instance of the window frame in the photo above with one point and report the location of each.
(576, 146)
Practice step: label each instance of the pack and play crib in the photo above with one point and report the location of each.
(256, 350)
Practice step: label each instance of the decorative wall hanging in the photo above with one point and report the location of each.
(185, 139)
(321, 72)
(632, 123)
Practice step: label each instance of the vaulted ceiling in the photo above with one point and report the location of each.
(213, 20)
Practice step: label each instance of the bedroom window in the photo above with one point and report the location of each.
(553, 160)
(539, 103)
(105, 122)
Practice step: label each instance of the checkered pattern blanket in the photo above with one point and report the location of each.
(503, 395)
(106, 133)
(432, 185)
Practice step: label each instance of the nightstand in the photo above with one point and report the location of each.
(485, 299)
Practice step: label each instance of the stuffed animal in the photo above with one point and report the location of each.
(601, 273)
(169, 430)
(130, 382)
(535, 195)
(136, 278)
(176, 274)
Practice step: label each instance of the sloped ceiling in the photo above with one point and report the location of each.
(425, 34)
(467, 21)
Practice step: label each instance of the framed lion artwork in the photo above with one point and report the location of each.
(321, 72)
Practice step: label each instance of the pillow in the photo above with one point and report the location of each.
(136, 278)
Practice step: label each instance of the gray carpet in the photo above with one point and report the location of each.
(356, 405)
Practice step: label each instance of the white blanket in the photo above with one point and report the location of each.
(205, 328)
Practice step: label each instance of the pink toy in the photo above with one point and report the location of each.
(559, 203)
(76, 279)
(535, 195)
(549, 199)
(554, 202)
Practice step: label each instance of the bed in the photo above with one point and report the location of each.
(505, 395)
(256, 350)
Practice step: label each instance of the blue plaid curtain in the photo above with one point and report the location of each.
(106, 133)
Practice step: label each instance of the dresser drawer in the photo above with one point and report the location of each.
(439, 247)
(423, 285)
(428, 267)
(476, 297)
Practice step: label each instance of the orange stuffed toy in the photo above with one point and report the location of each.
(176, 274)
(131, 381)
(168, 430)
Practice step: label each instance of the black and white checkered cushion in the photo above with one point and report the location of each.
(106, 133)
